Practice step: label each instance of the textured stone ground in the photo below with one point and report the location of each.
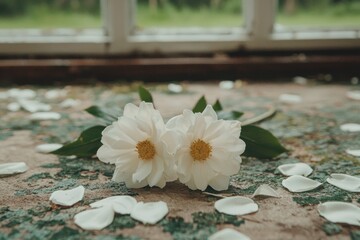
(309, 130)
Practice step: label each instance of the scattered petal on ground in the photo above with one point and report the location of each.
(340, 212)
(12, 168)
(39, 116)
(55, 93)
(345, 182)
(228, 234)
(354, 152)
(120, 204)
(290, 98)
(21, 93)
(69, 103)
(265, 190)
(175, 88)
(350, 127)
(13, 107)
(236, 205)
(298, 183)
(68, 197)
(150, 212)
(48, 147)
(95, 219)
(354, 95)
(226, 85)
(34, 106)
(295, 169)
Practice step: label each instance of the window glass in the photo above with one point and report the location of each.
(50, 14)
(188, 13)
(319, 13)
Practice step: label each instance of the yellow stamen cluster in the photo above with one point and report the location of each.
(146, 150)
(200, 150)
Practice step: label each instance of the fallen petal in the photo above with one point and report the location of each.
(354, 152)
(120, 204)
(68, 197)
(340, 212)
(350, 127)
(345, 182)
(34, 106)
(48, 147)
(95, 219)
(290, 98)
(55, 93)
(236, 205)
(265, 190)
(226, 85)
(45, 116)
(175, 88)
(151, 212)
(21, 93)
(12, 168)
(228, 234)
(68, 103)
(295, 169)
(13, 107)
(298, 183)
(354, 95)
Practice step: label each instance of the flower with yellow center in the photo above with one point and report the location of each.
(140, 146)
(209, 149)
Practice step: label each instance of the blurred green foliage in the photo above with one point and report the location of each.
(19, 7)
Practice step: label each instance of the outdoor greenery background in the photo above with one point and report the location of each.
(206, 13)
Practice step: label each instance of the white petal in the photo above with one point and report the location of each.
(120, 204)
(46, 148)
(175, 88)
(13, 107)
(172, 140)
(39, 116)
(355, 95)
(290, 98)
(95, 219)
(350, 127)
(34, 106)
(13, 168)
(354, 152)
(344, 181)
(265, 190)
(295, 169)
(69, 103)
(55, 93)
(228, 234)
(210, 112)
(298, 183)
(150, 212)
(21, 93)
(220, 182)
(226, 84)
(143, 170)
(236, 205)
(68, 197)
(130, 110)
(340, 212)
(202, 173)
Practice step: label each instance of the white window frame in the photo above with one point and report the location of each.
(118, 35)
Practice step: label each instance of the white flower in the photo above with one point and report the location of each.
(140, 147)
(210, 149)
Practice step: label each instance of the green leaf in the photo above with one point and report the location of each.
(104, 114)
(145, 95)
(200, 105)
(260, 143)
(232, 115)
(217, 106)
(85, 146)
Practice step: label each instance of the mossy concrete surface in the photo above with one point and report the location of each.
(309, 130)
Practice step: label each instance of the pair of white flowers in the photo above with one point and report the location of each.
(197, 148)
